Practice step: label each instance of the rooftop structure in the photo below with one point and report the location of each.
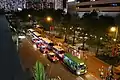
(99, 5)
(58, 48)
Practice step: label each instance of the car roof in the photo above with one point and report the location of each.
(51, 53)
(74, 58)
(58, 48)
(43, 46)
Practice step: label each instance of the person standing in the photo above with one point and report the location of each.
(102, 72)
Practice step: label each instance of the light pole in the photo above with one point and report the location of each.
(115, 39)
(49, 19)
(115, 30)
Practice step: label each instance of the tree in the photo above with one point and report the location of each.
(75, 23)
(97, 25)
(117, 19)
(66, 25)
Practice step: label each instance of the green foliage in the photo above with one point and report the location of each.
(97, 24)
(117, 20)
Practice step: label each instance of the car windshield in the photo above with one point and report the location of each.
(36, 39)
(52, 55)
(51, 44)
(81, 67)
(62, 52)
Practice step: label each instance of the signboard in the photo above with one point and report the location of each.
(71, 0)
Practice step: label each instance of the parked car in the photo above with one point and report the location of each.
(52, 57)
(44, 49)
(36, 40)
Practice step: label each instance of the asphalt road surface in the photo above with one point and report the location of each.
(29, 55)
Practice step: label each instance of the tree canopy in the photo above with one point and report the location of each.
(97, 24)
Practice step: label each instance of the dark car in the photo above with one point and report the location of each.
(44, 49)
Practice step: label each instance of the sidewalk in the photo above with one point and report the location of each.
(94, 64)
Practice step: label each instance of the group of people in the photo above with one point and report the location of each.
(107, 74)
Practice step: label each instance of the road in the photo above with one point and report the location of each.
(29, 55)
(93, 63)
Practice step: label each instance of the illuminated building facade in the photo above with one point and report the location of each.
(9, 5)
(41, 4)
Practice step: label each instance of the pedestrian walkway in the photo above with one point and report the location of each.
(94, 64)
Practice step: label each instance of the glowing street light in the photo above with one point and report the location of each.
(49, 18)
(101, 38)
(113, 29)
(29, 15)
(114, 40)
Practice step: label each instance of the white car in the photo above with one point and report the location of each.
(52, 57)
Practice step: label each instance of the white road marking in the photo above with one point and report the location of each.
(59, 77)
(79, 78)
(90, 76)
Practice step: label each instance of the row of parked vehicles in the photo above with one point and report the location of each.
(55, 53)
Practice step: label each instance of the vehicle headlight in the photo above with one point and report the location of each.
(85, 71)
(78, 73)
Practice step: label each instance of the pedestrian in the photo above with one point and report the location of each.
(110, 70)
(102, 72)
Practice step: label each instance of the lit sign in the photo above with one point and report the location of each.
(71, 0)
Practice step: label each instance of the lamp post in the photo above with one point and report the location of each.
(115, 30)
(49, 19)
(29, 15)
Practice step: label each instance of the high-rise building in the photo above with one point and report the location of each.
(9, 5)
(41, 4)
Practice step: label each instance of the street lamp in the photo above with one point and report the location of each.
(101, 38)
(114, 29)
(29, 15)
(49, 19)
(114, 40)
